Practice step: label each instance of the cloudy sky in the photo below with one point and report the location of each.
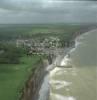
(48, 11)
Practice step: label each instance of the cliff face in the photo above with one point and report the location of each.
(33, 84)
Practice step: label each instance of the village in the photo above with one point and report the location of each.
(49, 45)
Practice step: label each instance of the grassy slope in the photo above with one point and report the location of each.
(13, 77)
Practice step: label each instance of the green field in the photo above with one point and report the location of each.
(14, 76)
(8, 32)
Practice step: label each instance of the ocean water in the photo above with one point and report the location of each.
(80, 81)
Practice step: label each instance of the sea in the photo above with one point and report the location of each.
(77, 78)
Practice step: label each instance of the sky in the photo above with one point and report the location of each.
(48, 11)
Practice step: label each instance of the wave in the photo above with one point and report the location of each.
(60, 97)
(60, 84)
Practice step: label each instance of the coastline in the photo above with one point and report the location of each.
(52, 66)
(29, 75)
(73, 76)
(42, 91)
(45, 87)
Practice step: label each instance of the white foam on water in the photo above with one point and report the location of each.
(60, 84)
(67, 89)
(89, 32)
(59, 73)
(53, 72)
(65, 71)
(78, 41)
(50, 67)
(66, 61)
(77, 44)
(81, 37)
(72, 50)
(60, 97)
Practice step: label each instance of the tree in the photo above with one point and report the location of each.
(10, 53)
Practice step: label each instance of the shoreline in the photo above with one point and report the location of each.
(49, 68)
(69, 49)
(56, 77)
(45, 87)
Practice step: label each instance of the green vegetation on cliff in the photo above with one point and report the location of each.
(10, 54)
(14, 76)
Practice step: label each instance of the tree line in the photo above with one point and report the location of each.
(9, 53)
